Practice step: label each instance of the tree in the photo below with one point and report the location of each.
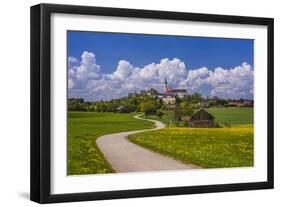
(75, 104)
(186, 109)
(149, 107)
(79, 100)
(92, 107)
(101, 106)
(221, 102)
(159, 113)
(177, 114)
(196, 98)
(180, 110)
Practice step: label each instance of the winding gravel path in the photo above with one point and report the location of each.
(125, 156)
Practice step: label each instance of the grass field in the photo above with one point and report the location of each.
(206, 147)
(233, 115)
(84, 156)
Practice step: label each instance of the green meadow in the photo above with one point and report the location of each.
(232, 116)
(84, 128)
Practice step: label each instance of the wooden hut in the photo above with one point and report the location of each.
(201, 119)
(123, 109)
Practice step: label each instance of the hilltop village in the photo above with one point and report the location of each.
(168, 96)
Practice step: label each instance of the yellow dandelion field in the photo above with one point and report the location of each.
(206, 147)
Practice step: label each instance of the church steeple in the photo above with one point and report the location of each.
(165, 85)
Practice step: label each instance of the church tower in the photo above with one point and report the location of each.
(165, 85)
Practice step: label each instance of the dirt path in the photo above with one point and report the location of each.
(125, 156)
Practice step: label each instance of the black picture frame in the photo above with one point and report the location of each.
(41, 99)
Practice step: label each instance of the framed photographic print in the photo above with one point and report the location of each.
(133, 103)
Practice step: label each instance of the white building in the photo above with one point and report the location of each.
(169, 96)
(181, 93)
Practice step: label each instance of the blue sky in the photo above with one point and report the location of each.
(142, 49)
(124, 54)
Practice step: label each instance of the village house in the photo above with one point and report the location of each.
(169, 98)
(122, 109)
(241, 103)
(181, 93)
(201, 119)
(152, 93)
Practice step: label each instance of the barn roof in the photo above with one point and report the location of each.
(152, 91)
(179, 90)
(201, 115)
(172, 95)
(121, 107)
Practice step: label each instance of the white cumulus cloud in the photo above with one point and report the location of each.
(231, 83)
(80, 73)
(124, 70)
(86, 80)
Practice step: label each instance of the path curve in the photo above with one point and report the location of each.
(125, 156)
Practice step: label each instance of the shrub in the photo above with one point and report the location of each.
(159, 113)
(216, 125)
(186, 123)
(149, 107)
(227, 125)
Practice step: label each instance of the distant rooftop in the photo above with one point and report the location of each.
(179, 90)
